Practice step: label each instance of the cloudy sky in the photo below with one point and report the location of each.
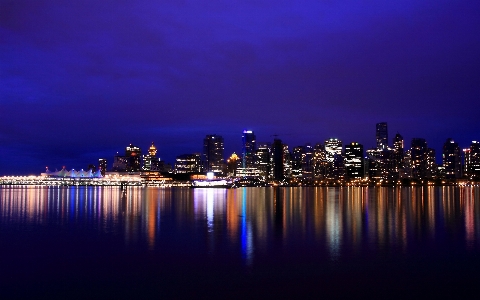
(80, 80)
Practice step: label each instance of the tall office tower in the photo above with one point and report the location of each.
(248, 149)
(432, 168)
(419, 155)
(338, 169)
(307, 162)
(278, 155)
(213, 153)
(133, 155)
(354, 160)
(150, 161)
(287, 162)
(472, 161)
(119, 163)
(373, 164)
(102, 165)
(320, 163)
(382, 135)
(188, 163)
(332, 147)
(263, 160)
(398, 153)
(406, 172)
(297, 155)
(451, 159)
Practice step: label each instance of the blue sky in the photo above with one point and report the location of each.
(80, 81)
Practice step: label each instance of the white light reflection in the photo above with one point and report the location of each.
(333, 224)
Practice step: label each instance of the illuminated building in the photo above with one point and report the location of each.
(133, 157)
(188, 163)
(332, 147)
(382, 135)
(354, 160)
(278, 159)
(297, 155)
(418, 156)
(263, 157)
(320, 163)
(373, 157)
(248, 149)
(102, 165)
(338, 167)
(287, 162)
(398, 155)
(307, 162)
(151, 162)
(406, 172)
(472, 161)
(232, 164)
(432, 168)
(451, 159)
(213, 153)
(119, 163)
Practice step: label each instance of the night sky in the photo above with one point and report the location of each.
(80, 80)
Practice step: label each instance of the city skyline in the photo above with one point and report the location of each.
(81, 81)
(341, 148)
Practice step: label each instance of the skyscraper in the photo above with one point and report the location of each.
(248, 149)
(102, 165)
(263, 159)
(419, 156)
(382, 135)
(451, 159)
(277, 152)
(332, 147)
(297, 155)
(150, 161)
(133, 157)
(354, 160)
(398, 154)
(213, 153)
(472, 161)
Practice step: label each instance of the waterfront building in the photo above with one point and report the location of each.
(320, 163)
(150, 161)
(287, 162)
(418, 156)
(354, 160)
(332, 147)
(248, 149)
(472, 161)
(102, 166)
(263, 160)
(133, 157)
(307, 162)
(382, 135)
(297, 156)
(398, 155)
(373, 166)
(232, 164)
(278, 160)
(451, 160)
(406, 172)
(188, 163)
(213, 153)
(432, 167)
(119, 163)
(338, 168)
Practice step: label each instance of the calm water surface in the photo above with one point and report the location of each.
(261, 242)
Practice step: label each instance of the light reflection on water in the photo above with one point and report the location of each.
(253, 221)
